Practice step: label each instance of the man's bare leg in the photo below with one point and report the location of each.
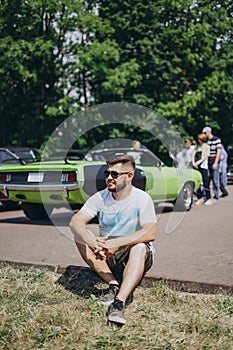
(133, 271)
(99, 266)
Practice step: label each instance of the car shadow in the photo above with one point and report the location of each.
(4, 209)
(58, 220)
(62, 219)
(164, 208)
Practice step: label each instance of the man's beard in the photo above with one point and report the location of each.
(118, 188)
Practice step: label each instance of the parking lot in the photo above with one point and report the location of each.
(193, 249)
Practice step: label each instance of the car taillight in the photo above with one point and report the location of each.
(4, 177)
(69, 177)
(72, 177)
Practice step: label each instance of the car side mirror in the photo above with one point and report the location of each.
(159, 164)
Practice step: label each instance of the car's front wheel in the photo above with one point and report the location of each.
(35, 211)
(184, 200)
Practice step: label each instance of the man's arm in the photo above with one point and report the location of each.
(217, 158)
(146, 234)
(78, 225)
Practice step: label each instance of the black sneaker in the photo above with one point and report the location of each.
(109, 297)
(116, 312)
(224, 194)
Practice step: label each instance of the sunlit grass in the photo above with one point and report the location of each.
(40, 309)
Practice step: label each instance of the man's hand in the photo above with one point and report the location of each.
(108, 246)
(214, 166)
(92, 243)
(100, 253)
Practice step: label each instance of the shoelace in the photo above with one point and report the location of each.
(113, 288)
(118, 304)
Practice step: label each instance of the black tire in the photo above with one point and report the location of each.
(10, 205)
(184, 200)
(36, 211)
(76, 206)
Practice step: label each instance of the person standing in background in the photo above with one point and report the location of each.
(136, 145)
(223, 171)
(213, 160)
(200, 163)
(183, 158)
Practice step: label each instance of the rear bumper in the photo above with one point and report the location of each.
(40, 188)
(3, 198)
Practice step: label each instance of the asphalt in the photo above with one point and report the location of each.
(194, 251)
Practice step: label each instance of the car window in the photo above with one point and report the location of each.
(146, 158)
(7, 158)
(25, 154)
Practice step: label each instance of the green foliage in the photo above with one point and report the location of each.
(184, 56)
(59, 57)
(41, 309)
(36, 46)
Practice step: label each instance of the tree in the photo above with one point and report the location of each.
(183, 53)
(59, 57)
(37, 67)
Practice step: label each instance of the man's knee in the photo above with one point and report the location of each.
(138, 249)
(140, 254)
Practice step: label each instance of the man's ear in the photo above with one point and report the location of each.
(131, 175)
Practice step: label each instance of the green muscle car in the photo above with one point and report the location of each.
(56, 183)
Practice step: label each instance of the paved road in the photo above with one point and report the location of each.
(194, 249)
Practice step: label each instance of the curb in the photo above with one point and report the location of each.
(190, 286)
(148, 281)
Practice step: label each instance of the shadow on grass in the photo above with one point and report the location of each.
(81, 281)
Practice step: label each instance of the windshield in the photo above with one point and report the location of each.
(141, 156)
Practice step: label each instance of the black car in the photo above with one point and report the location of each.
(230, 174)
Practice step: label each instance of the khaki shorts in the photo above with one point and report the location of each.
(118, 261)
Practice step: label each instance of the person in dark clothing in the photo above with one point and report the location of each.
(213, 160)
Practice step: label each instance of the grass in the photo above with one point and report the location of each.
(40, 309)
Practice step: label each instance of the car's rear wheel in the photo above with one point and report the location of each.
(184, 200)
(11, 205)
(35, 211)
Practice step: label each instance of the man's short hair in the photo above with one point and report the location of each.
(124, 159)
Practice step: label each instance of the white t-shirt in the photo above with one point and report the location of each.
(184, 157)
(205, 149)
(121, 217)
(136, 156)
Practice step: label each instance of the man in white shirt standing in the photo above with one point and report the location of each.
(122, 252)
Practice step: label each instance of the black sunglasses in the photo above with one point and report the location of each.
(114, 174)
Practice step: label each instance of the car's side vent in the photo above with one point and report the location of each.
(95, 179)
(139, 179)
